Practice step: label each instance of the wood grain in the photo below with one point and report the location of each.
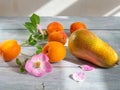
(107, 29)
(91, 22)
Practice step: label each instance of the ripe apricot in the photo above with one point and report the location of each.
(54, 27)
(77, 25)
(0, 52)
(10, 49)
(56, 51)
(58, 36)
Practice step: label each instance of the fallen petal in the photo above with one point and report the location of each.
(87, 68)
(78, 76)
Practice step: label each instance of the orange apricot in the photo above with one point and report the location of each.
(56, 51)
(58, 36)
(10, 49)
(77, 25)
(54, 27)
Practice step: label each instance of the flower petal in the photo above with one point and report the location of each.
(47, 67)
(44, 67)
(28, 66)
(43, 57)
(40, 28)
(35, 58)
(38, 72)
(87, 68)
(78, 76)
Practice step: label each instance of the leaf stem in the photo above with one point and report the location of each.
(24, 44)
(25, 54)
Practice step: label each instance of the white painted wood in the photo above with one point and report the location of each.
(66, 21)
(59, 78)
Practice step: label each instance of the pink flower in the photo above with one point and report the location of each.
(38, 65)
(87, 68)
(40, 28)
(78, 76)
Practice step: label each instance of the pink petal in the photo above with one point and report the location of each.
(78, 76)
(38, 72)
(87, 68)
(40, 28)
(34, 58)
(43, 57)
(28, 66)
(44, 68)
(47, 67)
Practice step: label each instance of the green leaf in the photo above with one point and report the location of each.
(30, 27)
(18, 62)
(39, 49)
(22, 69)
(30, 38)
(25, 60)
(39, 37)
(31, 41)
(45, 36)
(35, 19)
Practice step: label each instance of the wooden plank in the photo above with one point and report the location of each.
(91, 22)
(111, 37)
(22, 35)
(19, 35)
(69, 60)
(59, 79)
(107, 29)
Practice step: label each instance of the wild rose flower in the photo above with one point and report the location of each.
(39, 27)
(38, 65)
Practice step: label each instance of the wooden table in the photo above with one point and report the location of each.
(107, 28)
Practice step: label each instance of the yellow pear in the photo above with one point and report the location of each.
(87, 46)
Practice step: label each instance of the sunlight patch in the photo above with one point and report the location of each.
(54, 7)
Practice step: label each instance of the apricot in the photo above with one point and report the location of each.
(56, 51)
(54, 27)
(76, 26)
(9, 50)
(59, 36)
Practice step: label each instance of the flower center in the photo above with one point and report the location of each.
(37, 64)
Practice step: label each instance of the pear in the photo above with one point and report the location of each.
(86, 45)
